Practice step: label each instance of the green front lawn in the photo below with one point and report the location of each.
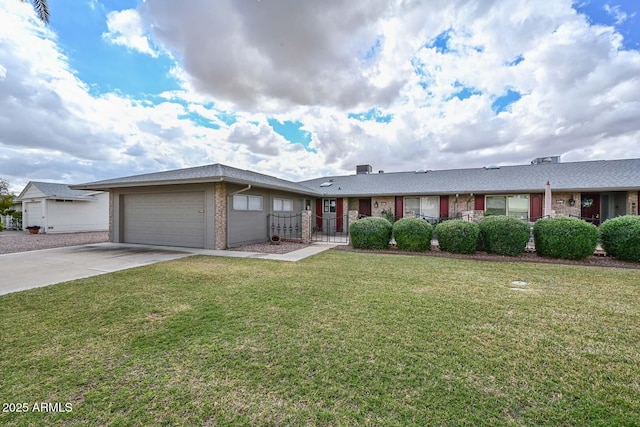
(337, 339)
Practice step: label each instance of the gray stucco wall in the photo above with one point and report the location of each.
(245, 227)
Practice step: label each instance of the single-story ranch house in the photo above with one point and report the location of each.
(56, 208)
(219, 207)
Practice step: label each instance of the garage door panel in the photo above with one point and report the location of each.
(171, 219)
(33, 214)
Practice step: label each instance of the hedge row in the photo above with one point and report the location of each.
(620, 237)
(504, 235)
(458, 236)
(564, 237)
(561, 237)
(370, 233)
(413, 234)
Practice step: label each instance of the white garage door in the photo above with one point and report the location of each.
(33, 214)
(171, 219)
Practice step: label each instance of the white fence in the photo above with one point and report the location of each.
(11, 223)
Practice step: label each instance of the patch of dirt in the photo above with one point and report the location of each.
(592, 261)
(23, 241)
(267, 248)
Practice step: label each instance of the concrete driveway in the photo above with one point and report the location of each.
(27, 270)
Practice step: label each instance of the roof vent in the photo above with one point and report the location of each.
(492, 167)
(546, 160)
(363, 169)
(327, 183)
(380, 171)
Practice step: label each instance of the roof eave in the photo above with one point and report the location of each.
(78, 198)
(123, 184)
(209, 180)
(481, 191)
(304, 191)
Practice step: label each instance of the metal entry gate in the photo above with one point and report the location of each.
(288, 227)
(330, 228)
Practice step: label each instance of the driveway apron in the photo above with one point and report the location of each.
(27, 270)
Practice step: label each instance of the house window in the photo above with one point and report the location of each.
(245, 202)
(280, 205)
(329, 205)
(516, 206)
(496, 205)
(427, 207)
(412, 204)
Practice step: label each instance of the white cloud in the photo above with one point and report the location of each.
(124, 29)
(270, 56)
(619, 15)
(314, 62)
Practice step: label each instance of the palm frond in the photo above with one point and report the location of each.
(42, 9)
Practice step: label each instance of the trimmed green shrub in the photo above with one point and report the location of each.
(370, 233)
(1, 225)
(413, 234)
(565, 237)
(504, 235)
(620, 237)
(458, 236)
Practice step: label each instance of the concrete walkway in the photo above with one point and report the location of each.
(293, 256)
(33, 269)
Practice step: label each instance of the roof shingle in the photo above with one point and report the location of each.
(61, 191)
(200, 174)
(603, 175)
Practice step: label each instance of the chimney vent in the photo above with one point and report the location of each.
(546, 160)
(363, 169)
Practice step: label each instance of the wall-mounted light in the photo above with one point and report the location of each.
(572, 201)
(375, 205)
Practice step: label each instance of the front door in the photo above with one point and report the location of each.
(364, 207)
(535, 207)
(399, 207)
(590, 207)
(329, 207)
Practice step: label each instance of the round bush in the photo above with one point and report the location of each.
(620, 237)
(565, 238)
(504, 235)
(458, 236)
(370, 233)
(413, 234)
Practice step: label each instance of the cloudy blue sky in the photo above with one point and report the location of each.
(299, 89)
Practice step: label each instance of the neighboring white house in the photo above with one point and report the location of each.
(56, 208)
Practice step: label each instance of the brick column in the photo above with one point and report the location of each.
(353, 216)
(632, 206)
(220, 201)
(306, 227)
